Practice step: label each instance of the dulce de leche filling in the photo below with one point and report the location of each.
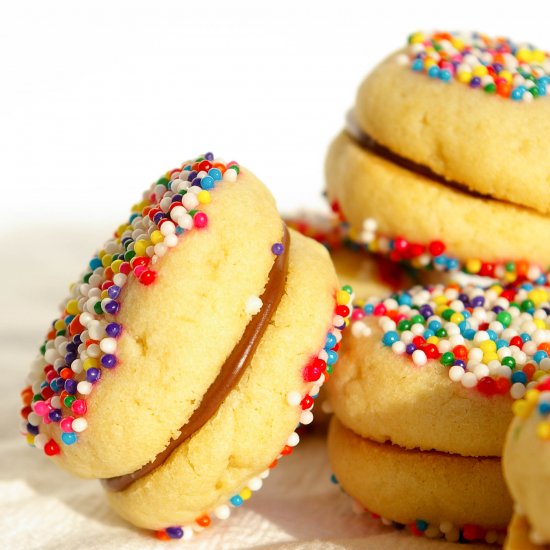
(230, 373)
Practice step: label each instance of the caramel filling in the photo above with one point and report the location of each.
(230, 374)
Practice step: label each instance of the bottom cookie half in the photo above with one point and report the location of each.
(410, 485)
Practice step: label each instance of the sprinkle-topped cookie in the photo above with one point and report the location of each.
(519, 71)
(496, 340)
(82, 342)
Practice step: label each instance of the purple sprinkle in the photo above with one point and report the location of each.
(93, 375)
(113, 330)
(113, 292)
(410, 349)
(55, 415)
(112, 307)
(426, 311)
(70, 386)
(498, 309)
(209, 156)
(33, 430)
(277, 249)
(475, 82)
(192, 175)
(478, 301)
(70, 357)
(460, 363)
(159, 216)
(108, 361)
(196, 182)
(174, 532)
(77, 340)
(177, 198)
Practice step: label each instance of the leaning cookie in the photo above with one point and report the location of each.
(423, 398)
(527, 471)
(188, 351)
(445, 133)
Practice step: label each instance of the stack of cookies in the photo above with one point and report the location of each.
(442, 166)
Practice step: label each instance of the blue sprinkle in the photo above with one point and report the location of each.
(207, 182)
(501, 343)
(330, 341)
(540, 355)
(519, 376)
(544, 408)
(95, 263)
(215, 174)
(390, 337)
(469, 334)
(421, 525)
(525, 337)
(517, 93)
(445, 75)
(428, 333)
(492, 335)
(68, 438)
(332, 357)
(368, 309)
(404, 299)
(333, 479)
(417, 65)
(452, 264)
(236, 500)
(433, 71)
(434, 325)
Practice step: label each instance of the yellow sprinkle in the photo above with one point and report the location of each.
(342, 298)
(457, 318)
(115, 266)
(488, 346)
(490, 356)
(204, 197)
(480, 70)
(106, 260)
(524, 54)
(433, 340)
(543, 430)
(464, 77)
(417, 38)
(521, 408)
(347, 322)
(72, 307)
(532, 396)
(539, 56)
(538, 374)
(540, 324)
(510, 276)
(473, 265)
(538, 296)
(30, 439)
(507, 75)
(104, 294)
(429, 62)
(101, 253)
(353, 234)
(457, 43)
(89, 363)
(122, 228)
(140, 247)
(156, 237)
(441, 299)
(59, 324)
(440, 309)
(246, 493)
(497, 289)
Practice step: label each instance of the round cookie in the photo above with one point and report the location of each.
(462, 204)
(470, 108)
(431, 490)
(526, 460)
(188, 351)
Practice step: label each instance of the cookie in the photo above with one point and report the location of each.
(188, 351)
(430, 374)
(526, 468)
(442, 494)
(422, 172)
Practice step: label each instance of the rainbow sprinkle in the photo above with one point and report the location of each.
(434, 255)
(536, 400)
(498, 66)
(496, 339)
(82, 342)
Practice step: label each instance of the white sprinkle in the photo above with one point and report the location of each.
(293, 398)
(253, 305)
(419, 357)
(79, 424)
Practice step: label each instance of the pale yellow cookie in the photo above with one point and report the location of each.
(406, 485)
(518, 535)
(488, 143)
(410, 205)
(385, 397)
(189, 351)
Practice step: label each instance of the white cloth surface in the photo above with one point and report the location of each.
(42, 507)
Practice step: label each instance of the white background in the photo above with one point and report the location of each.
(98, 99)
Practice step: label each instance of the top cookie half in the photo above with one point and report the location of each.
(472, 109)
